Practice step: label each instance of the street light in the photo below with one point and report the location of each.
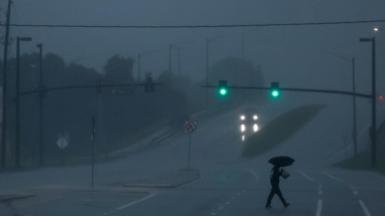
(17, 141)
(372, 40)
(41, 106)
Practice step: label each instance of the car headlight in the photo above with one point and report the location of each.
(243, 128)
(255, 128)
(255, 117)
(242, 117)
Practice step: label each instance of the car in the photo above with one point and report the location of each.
(248, 122)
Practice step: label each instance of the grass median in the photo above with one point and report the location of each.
(279, 130)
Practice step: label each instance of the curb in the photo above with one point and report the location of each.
(194, 176)
(13, 197)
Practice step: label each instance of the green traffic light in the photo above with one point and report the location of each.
(223, 91)
(275, 93)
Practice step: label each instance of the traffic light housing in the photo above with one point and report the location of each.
(223, 89)
(275, 91)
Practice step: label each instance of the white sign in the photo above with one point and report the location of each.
(63, 141)
(190, 126)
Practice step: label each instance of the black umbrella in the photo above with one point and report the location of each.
(281, 161)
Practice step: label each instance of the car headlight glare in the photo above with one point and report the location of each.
(255, 128)
(243, 128)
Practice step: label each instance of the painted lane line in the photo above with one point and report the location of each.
(333, 177)
(319, 208)
(364, 208)
(120, 208)
(306, 176)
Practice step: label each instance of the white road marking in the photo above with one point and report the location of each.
(364, 208)
(213, 213)
(131, 203)
(253, 173)
(319, 208)
(306, 176)
(333, 177)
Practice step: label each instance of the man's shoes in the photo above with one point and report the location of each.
(286, 205)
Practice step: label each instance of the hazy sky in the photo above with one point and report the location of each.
(305, 54)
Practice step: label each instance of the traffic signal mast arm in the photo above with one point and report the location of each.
(89, 86)
(306, 90)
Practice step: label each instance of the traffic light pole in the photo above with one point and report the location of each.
(304, 90)
(41, 107)
(5, 90)
(374, 111)
(354, 108)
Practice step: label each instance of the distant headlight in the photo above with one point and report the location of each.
(255, 117)
(255, 128)
(243, 128)
(242, 117)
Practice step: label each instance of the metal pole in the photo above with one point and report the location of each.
(170, 58)
(243, 46)
(139, 65)
(41, 107)
(93, 134)
(179, 65)
(207, 71)
(189, 152)
(354, 107)
(17, 137)
(5, 90)
(374, 93)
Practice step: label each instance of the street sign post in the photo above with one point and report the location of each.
(189, 127)
(62, 142)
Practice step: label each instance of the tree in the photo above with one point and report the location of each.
(119, 69)
(238, 71)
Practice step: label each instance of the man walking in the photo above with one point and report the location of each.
(277, 172)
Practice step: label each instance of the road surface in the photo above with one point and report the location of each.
(228, 184)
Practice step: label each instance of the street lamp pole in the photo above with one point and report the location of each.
(5, 90)
(207, 70)
(17, 140)
(41, 106)
(354, 107)
(373, 130)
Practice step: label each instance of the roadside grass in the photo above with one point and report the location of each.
(362, 160)
(279, 130)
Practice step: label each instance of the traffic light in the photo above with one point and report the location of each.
(275, 91)
(223, 89)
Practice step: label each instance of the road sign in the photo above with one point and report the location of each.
(63, 141)
(190, 126)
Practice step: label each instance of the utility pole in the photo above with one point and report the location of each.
(354, 107)
(41, 107)
(373, 130)
(17, 138)
(179, 60)
(243, 46)
(93, 151)
(207, 70)
(5, 90)
(170, 58)
(139, 67)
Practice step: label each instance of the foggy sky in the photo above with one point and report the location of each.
(292, 54)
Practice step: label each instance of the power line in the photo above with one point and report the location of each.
(343, 22)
